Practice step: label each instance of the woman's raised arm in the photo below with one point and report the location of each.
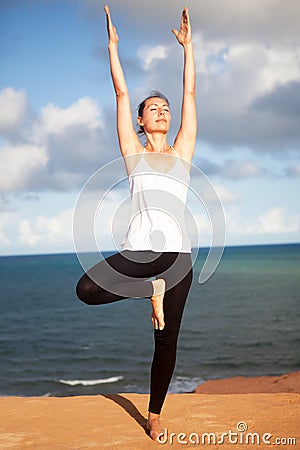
(186, 138)
(128, 139)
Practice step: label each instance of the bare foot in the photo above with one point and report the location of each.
(159, 287)
(153, 426)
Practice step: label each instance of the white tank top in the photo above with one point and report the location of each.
(158, 203)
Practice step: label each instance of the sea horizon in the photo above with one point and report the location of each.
(204, 247)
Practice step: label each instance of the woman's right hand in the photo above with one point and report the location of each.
(111, 30)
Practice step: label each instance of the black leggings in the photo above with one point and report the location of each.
(126, 275)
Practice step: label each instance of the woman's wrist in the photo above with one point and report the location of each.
(188, 45)
(112, 45)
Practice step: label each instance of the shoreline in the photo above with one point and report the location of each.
(242, 384)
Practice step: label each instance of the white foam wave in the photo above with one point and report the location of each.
(91, 382)
(184, 384)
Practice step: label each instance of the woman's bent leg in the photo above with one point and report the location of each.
(91, 293)
(122, 275)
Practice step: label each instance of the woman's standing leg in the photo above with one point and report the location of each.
(166, 343)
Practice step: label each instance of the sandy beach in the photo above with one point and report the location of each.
(217, 420)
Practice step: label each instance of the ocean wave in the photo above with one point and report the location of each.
(184, 384)
(91, 382)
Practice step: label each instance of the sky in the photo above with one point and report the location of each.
(57, 114)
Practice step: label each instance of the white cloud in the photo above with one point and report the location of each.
(232, 76)
(56, 230)
(210, 56)
(13, 108)
(275, 221)
(4, 240)
(237, 170)
(9, 219)
(27, 235)
(49, 233)
(231, 83)
(276, 225)
(58, 149)
(149, 55)
(19, 164)
(55, 120)
(226, 195)
(272, 65)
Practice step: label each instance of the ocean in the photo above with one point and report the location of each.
(245, 320)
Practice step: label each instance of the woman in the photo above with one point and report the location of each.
(158, 176)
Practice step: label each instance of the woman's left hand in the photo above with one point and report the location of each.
(184, 35)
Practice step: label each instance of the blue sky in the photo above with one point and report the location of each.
(57, 123)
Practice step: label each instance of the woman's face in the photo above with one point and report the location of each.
(156, 116)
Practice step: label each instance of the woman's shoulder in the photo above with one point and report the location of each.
(132, 159)
(185, 157)
(185, 148)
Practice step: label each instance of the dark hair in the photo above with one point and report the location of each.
(141, 107)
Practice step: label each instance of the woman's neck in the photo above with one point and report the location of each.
(157, 143)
